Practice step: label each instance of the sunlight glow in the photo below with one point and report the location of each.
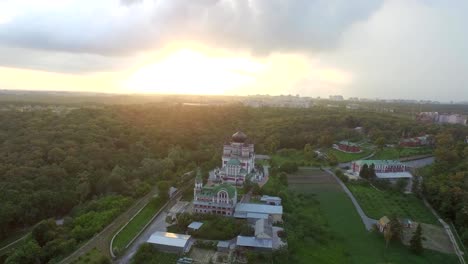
(190, 72)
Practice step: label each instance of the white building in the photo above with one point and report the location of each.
(238, 161)
(170, 242)
(219, 199)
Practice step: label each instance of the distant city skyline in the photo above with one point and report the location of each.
(387, 49)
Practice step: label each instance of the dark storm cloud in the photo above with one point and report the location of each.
(127, 26)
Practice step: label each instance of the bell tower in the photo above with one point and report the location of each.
(198, 184)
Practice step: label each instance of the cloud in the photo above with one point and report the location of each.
(112, 27)
(421, 55)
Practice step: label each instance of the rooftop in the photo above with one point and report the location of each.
(257, 216)
(259, 208)
(265, 198)
(168, 239)
(234, 162)
(195, 225)
(379, 162)
(212, 190)
(223, 244)
(393, 175)
(254, 242)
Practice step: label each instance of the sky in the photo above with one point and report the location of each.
(408, 49)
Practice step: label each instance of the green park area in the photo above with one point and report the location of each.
(392, 153)
(347, 157)
(377, 203)
(283, 156)
(135, 225)
(342, 235)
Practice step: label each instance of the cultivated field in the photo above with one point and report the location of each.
(346, 226)
(377, 203)
(311, 180)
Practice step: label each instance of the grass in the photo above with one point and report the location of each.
(292, 155)
(147, 254)
(377, 203)
(346, 157)
(392, 153)
(137, 223)
(351, 238)
(92, 257)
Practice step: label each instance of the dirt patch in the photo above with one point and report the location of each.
(200, 255)
(436, 238)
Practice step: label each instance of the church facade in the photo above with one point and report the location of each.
(219, 199)
(238, 161)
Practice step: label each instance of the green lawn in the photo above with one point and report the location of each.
(137, 223)
(350, 237)
(377, 203)
(292, 155)
(392, 153)
(346, 157)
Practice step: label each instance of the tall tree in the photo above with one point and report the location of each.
(416, 241)
(380, 143)
(364, 173)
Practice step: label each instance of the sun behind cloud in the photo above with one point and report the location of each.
(186, 71)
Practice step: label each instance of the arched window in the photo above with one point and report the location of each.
(223, 196)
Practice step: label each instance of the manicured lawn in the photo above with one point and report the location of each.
(377, 203)
(292, 155)
(137, 223)
(352, 239)
(346, 157)
(392, 153)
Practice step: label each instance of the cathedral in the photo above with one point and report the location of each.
(238, 161)
(219, 199)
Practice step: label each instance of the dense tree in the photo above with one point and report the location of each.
(416, 241)
(380, 143)
(364, 173)
(28, 253)
(309, 153)
(44, 232)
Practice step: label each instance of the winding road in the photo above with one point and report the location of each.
(368, 222)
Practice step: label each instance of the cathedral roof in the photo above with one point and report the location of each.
(239, 137)
(234, 162)
(213, 190)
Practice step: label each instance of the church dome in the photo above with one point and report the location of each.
(239, 137)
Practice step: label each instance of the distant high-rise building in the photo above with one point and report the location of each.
(336, 97)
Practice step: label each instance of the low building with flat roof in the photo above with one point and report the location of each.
(271, 200)
(254, 243)
(170, 242)
(243, 209)
(195, 225)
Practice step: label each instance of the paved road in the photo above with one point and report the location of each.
(159, 224)
(101, 241)
(368, 222)
(420, 162)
